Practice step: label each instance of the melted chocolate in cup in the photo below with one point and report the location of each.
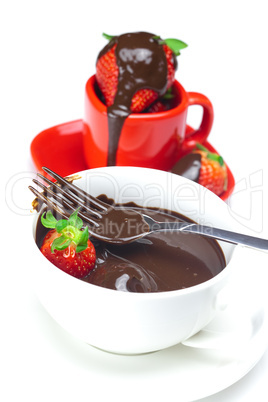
(121, 226)
(142, 64)
(162, 261)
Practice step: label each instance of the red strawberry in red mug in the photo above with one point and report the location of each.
(134, 72)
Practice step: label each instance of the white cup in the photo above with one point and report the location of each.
(134, 323)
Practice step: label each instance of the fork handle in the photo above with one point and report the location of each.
(219, 234)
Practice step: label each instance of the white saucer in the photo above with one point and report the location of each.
(183, 373)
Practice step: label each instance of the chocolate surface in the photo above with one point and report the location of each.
(188, 166)
(142, 64)
(162, 261)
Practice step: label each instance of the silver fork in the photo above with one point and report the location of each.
(120, 224)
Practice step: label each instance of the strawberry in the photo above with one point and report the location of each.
(162, 104)
(67, 246)
(213, 173)
(157, 107)
(107, 73)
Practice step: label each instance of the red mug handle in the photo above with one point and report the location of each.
(201, 134)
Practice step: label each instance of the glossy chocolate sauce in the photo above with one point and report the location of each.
(142, 64)
(188, 166)
(162, 261)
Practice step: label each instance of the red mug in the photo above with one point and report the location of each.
(154, 140)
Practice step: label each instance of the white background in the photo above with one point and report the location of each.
(48, 51)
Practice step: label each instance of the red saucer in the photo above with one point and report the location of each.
(60, 148)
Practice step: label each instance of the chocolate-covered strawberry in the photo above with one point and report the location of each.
(204, 167)
(67, 246)
(132, 71)
(213, 173)
(134, 54)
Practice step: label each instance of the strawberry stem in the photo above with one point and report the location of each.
(70, 231)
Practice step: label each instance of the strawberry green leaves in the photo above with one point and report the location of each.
(60, 225)
(169, 94)
(175, 45)
(106, 36)
(50, 221)
(211, 155)
(82, 245)
(60, 243)
(70, 231)
(75, 221)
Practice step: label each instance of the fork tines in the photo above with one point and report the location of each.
(64, 197)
